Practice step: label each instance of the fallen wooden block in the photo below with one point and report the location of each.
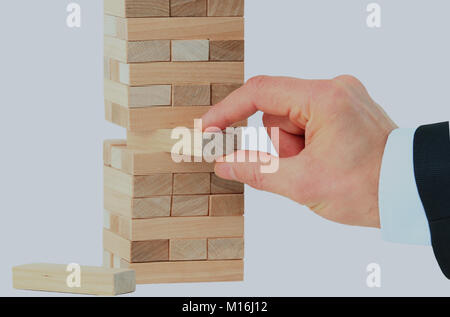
(151, 118)
(187, 272)
(222, 186)
(146, 29)
(221, 91)
(226, 205)
(162, 73)
(227, 51)
(226, 8)
(190, 206)
(137, 8)
(137, 52)
(188, 249)
(225, 248)
(181, 228)
(188, 8)
(136, 251)
(138, 97)
(57, 278)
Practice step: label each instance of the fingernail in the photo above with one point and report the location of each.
(225, 171)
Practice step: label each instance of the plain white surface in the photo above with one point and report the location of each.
(53, 127)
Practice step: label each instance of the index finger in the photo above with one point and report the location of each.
(279, 96)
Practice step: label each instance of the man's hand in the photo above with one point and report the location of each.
(332, 140)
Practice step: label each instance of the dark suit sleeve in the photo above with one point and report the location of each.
(432, 173)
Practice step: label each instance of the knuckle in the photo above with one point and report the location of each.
(254, 178)
(348, 80)
(257, 82)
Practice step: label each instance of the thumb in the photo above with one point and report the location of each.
(262, 171)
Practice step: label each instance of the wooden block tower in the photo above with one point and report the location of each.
(166, 63)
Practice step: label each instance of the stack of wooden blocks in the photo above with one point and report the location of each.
(166, 63)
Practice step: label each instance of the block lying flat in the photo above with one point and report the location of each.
(188, 8)
(146, 29)
(94, 280)
(138, 97)
(137, 52)
(137, 8)
(187, 272)
(226, 8)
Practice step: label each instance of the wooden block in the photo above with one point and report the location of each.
(184, 228)
(137, 186)
(107, 145)
(146, 29)
(221, 91)
(190, 206)
(53, 278)
(188, 249)
(226, 249)
(137, 8)
(107, 259)
(190, 50)
(226, 8)
(191, 95)
(227, 50)
(223, 186)
(142, 162)
(106, 68)
(191, 184)
(136, 208)
(187, 272)
(119, 224)
(181, 72)
(137, 52)
(136, 251)
(152, 118)
(188, 8)
(138, 97)
(226, 205)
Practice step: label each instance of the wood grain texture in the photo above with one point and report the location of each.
(152, 118)
(226, 249)
(190, 206)
(227, 50)
(223, 186)
(146, 29)
(137, 208)
(187, 272)
(136, 252)
(191, 95)
(191, 184)
(185, 228)
(142, 162)
(138, 97)
(188, 8)
(119, 224)
(226, 205)
(94, 280)
(188, 249)
(107, 146)
(137, 8)
(181, 72)
(221, 91)
(140, 186)
(226, 8)
(190, 50)
(137, 52)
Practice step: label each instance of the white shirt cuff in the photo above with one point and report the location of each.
(402, 216)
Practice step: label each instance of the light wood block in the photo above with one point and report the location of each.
(152, 118)
(137, 186)
(111, 66)
(53, 278)
(136, 251)
(137, 8)
(187, 272)
(119, 224)
(137, 52)
(137, 208)
(226, 8)
(190, 206)
(191, 184)
(191, 95)
(183, 228)
(190, 50)
(226, 249)
(188, 249)
(221, 91)
(181, 72)
(107, 145)
(138, 97)
(146, 29)
(188, 8)
(227, 50)
(107, 259)
(223, 186)
(226, 205)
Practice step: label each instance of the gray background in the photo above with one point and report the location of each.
(52, 127)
